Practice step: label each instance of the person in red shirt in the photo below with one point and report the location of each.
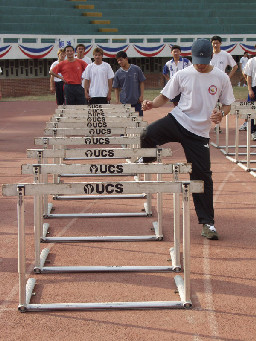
(71, 71)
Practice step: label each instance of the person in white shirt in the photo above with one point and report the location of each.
(250, 72)
(201, 86)
(243, 80)
(98, 79)
(242, 63)
(80, 54)
(222, 59)
(172, 66)
(56, 84)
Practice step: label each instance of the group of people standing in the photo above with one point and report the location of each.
(79, 81)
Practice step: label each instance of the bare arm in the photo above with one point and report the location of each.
(156, 103)
(141, 92)
(216, 116)
(57, 76)
(86, 88)
(109, 88)
(52, 86)
(167, 77)
(249, 83)
(233, 71)
(117, 95)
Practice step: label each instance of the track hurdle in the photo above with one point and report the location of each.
(242, 110)
(36, 190)
(133, 154)
(157, 168)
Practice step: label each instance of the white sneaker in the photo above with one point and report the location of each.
(244, 85)
(243, 126)
(254, 136)
(239, 84)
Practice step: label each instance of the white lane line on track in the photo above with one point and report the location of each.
(209, 305)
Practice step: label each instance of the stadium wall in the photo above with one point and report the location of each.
(25, 59)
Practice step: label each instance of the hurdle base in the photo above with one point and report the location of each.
(100, 269)
(182, 304)
(100, 239)
(95, 215)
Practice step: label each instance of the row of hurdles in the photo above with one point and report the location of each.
(80, 134)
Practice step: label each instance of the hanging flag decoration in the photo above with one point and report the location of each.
(112, 51)
(185, 51)
(228, 48)
(149, 51)
(248, 48)
(36, 53)
(4, 50)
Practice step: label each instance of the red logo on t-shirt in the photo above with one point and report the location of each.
(212, 90)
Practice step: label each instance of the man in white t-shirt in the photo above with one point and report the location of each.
(201, 86)
(250, 72)
(242, 63)
(98, 79)
(80, 54)
(221, 59)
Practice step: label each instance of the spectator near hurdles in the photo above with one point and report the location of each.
(98, 79)
(222, 59)
(250, 71)
(129, 83)
(175, 64)
(71, 70)
(80, 54)
(242, 63)
(56, 84)
(201, 86)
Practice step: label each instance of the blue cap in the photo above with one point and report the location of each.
(201, 51)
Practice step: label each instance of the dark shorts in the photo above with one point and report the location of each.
(74, 94)
(59, 88)
(98, 100)
(137, 107)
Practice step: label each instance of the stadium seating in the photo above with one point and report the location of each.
(133, 17)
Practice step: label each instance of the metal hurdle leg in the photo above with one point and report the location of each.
(227, 134)
(248, 142)
(158, 225)
(148, 203)
(175, 250)
(21, 249)
(184, 287)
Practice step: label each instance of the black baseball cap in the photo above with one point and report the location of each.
(201, 51)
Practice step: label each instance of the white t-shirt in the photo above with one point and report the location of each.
(88, 61)
(222, 59)
(199, 95)
(243, 61)
(250, 70)
(51, 67)
(98, 75)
